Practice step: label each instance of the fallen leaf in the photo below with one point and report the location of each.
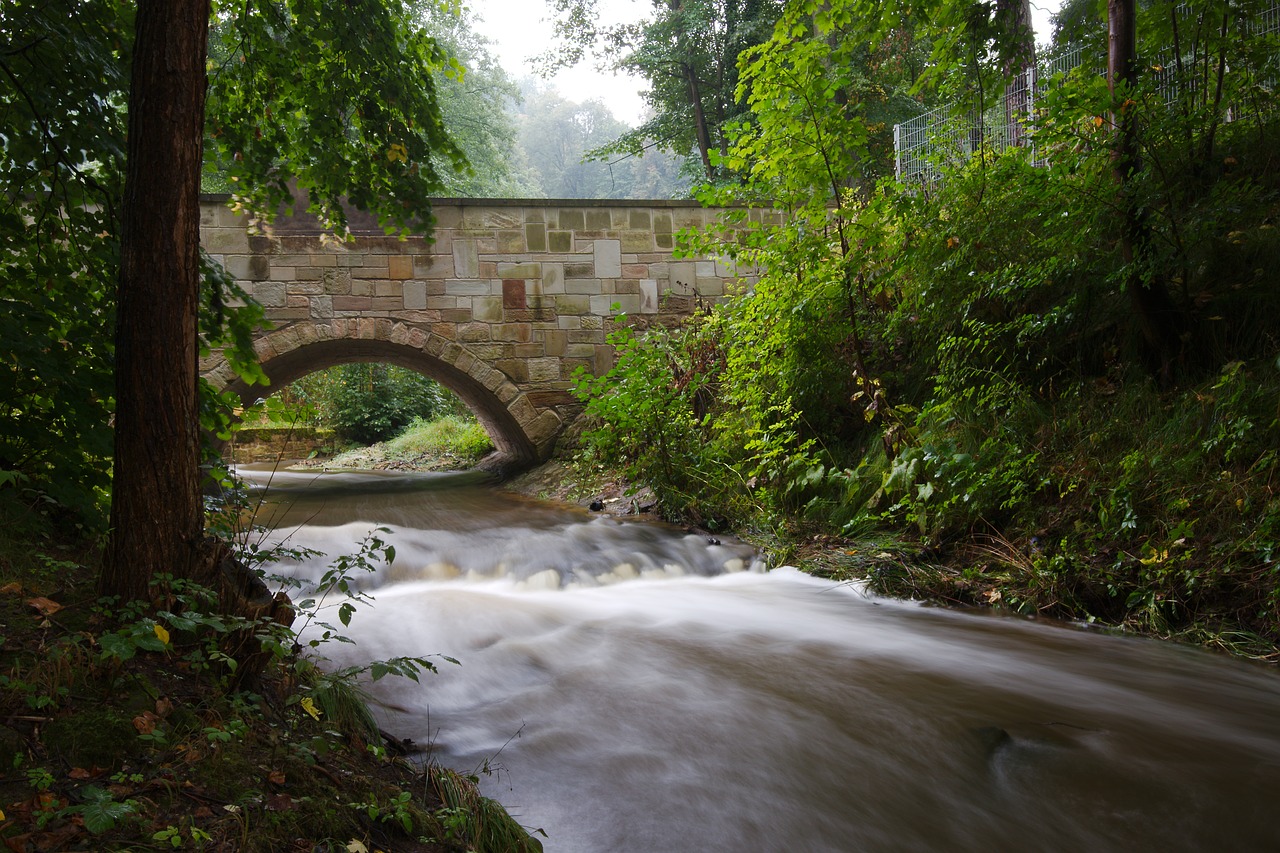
(18, 843)
(162, 634)
(202, 812)
(145, 723)
(310, 707)
(79, 773)
(280, 803)
(44, 606)
(164, 707)
(357, 847)
(276, 777)
(14, 588)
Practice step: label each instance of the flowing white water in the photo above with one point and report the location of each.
(677, 706)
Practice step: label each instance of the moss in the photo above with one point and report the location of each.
(91, 738)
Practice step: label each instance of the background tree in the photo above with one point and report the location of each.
(556, 134)
(61, 173)
(367, 403)
(479, 107)
(688, 52)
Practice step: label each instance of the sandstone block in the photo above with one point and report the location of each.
(466, 258)
(487, 309)
(269, 294)
(531, 269)
(471, 332)
(560, 241)
(400, 267)
(468, 287)
(415, 295)
(512, 332)
(608, 258)
(648, 296)
(598, 220)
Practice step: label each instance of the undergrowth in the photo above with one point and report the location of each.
(167, 724)
(1052, 403)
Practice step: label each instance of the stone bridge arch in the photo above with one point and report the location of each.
(520, 431)
(502, 305)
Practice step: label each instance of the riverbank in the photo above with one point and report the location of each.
(120, 731)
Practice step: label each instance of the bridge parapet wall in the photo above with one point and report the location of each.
(504, 304)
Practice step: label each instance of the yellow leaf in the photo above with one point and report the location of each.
(953, 242)
(1097, 121)
(1, 814)
(162, 634)
(310, 707)
(357, 847)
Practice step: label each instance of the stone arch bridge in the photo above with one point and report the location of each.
(506, 301)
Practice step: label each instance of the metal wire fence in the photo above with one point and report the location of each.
(946, 136)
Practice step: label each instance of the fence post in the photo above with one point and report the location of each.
(1033, 81)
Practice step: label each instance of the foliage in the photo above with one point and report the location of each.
(687, 51)
(462, 438)
(961, 363)
(560, 140)
(342, 101)
(367, 403)
(654, 410)
(60, 171)
(127, 746)
(477, 108)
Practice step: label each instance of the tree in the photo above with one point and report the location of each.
(157, 521)
(688, 51)
(1017, 62)
(478, 108)
(61, 169)
(340, 99)
(556, 134)
(1153, 308)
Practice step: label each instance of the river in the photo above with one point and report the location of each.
(626, 686)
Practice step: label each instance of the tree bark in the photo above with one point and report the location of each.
(1017, 58)
(156, 504)
(1158, 318)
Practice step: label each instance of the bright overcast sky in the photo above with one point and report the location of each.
(519, 31)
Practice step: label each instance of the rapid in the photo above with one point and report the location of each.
(629, 686)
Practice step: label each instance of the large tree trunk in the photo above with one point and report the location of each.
(156, 506)
(1158, 318)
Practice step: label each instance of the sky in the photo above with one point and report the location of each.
(520, 30)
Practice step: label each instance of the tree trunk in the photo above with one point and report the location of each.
(1017, 58)
(156, 505)
(690, 74)
(1157, 316)
(699, 120)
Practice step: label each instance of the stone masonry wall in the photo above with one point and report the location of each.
(512, 294)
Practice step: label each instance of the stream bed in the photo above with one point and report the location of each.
(628, 686)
